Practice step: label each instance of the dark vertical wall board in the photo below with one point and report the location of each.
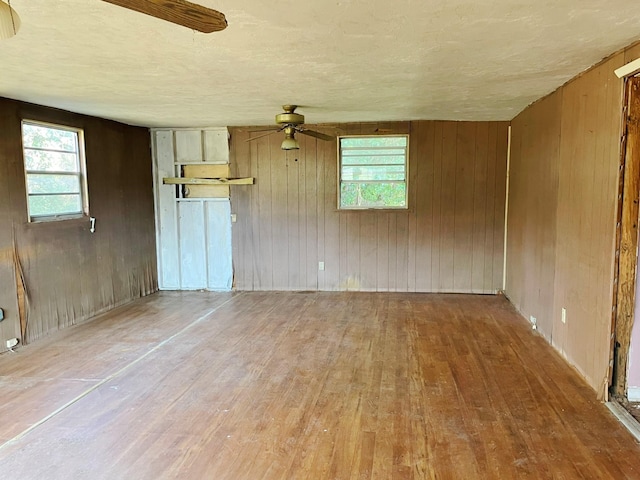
(449, 240)
(71, 274)
(9, 201)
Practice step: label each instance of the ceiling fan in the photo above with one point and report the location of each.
(180, 12)
(290, 123)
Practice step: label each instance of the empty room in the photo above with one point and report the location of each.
(319, 240)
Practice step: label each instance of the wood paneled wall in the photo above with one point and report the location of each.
(533, 202)
(449, 240)
(71, 274)
(562, 214)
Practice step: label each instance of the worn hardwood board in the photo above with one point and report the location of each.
(306, 385)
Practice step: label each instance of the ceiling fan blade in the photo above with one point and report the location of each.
(265, 129)
(180, 12)
(263, 135)
(312, 133)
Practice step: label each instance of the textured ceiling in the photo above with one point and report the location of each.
(342, 60)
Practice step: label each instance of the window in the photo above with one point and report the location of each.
(54, 169)
(373, 172)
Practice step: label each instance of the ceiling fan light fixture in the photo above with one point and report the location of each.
(9, 21)
(290, 143)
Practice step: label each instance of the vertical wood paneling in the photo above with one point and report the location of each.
(333, 258)
(382, 252)
(393, 252)
(282, 244)
(10, 207)
(368, 240)
(479, 231)
(424, 204)
(241, 202)
(587, 194)
(448, 240)
(533, 207)
(435, 240)
(562, 214)
(447, 207)
(264, 259)
(464, 191)
(70, 273)
(414, 167)
(498, 195)
(296, 272)
(309, 227)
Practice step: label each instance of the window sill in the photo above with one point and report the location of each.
(65, 220)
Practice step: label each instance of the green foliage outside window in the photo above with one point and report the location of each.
(373, 172)
(53, 171)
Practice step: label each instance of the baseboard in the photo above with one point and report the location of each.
(625, 418)
(633, 394)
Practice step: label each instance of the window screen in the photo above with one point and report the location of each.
(373, 172)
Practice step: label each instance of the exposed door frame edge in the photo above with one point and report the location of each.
(626, 261)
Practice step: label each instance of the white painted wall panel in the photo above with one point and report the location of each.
(216, 146)
(194, 236)
(188, 146)
(167, 233)
(193, 251)
(219, 264)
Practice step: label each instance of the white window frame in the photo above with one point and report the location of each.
(80, 172)
(405, 181)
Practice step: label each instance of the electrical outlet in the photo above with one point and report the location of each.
(564, 315)
(321, 266)
(12, 342)
(534, 322)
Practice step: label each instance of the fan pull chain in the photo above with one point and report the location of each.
(13, 22)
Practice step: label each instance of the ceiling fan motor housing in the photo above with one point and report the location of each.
(289, 117)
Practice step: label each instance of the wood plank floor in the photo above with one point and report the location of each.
(304, 386)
